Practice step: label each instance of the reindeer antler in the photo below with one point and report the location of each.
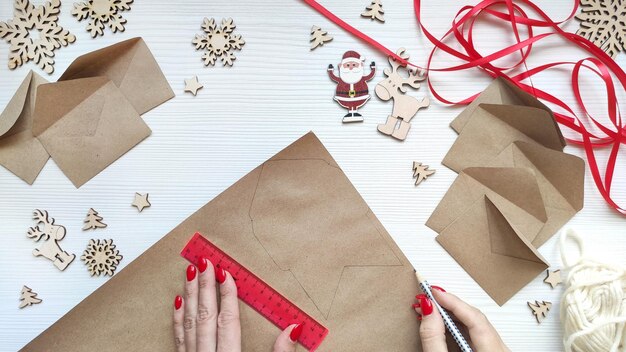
(41, 217)
(396, 64)
(415, 76)
(36, 233)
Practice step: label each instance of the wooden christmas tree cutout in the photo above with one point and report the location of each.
(604, 23)
(141, 201)
(51, 234)
(404, 106)
(101, 257)
(553, 278)
(192, 85)
(218, 42)
(540, 310)
(421, 172)
(375, 11)
(30, 19)
(101, 13)
(28, 297)
(319, 37)
(93, 221)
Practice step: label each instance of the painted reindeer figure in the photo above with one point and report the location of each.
(51, 233)
(404, 106)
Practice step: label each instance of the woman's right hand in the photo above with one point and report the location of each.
(483, 336)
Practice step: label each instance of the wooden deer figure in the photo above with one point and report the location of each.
(51, 234)
(404, 106)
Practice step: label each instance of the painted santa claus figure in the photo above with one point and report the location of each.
(352, 92)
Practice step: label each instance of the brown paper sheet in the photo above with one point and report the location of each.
(297, 222)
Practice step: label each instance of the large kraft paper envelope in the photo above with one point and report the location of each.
(85, 125)
(560, 178)
(492, 128)
(491, 250)
(297, 222)
(132, 67)
(500, 91)
(20, 151)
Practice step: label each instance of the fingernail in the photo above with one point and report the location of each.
(416, 305)
(203, 263)
(296, 332)
(191, 272)
(220, 275)
(425, 304)
(178, 302)
(437, 288)
(419, 317)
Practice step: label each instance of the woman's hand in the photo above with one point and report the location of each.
(483, 336)
(201, 326)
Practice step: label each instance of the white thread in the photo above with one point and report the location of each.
(593, 306)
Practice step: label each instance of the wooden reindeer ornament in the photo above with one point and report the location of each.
(404, 106)
(51, 233)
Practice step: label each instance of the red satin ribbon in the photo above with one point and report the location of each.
(599, 63)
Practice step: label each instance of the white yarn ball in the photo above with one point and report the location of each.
(593, 306)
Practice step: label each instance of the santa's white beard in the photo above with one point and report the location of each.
(351, 76)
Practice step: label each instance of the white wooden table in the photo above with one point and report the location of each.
(277, 91)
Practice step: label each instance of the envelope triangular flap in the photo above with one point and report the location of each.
(536, 124)
(55, 100)
(14, 109)
(504, 239)
(564, 171)
(517, 185)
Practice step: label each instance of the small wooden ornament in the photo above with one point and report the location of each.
(101, 13)
(553, 278)
(319, 37)
(540, 310)
(101, 257)
(42, 20)
(352, 92)
(375, 11)
(141, 201)
(421, 172)
(52, 234)
(604, 23)
(93, 221)
(218, 42)
(192, 85)
(28, 297)
(404, 106)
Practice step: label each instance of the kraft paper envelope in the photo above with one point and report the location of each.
(20, 152)
(85, 125)
(503, 92)
(132, 67)
(492, 128)
(297, 222)
(499, 258)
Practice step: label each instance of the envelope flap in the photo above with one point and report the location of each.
(537, 124)
(15, 107)
(564, 171)
(504, 239)
(55, 100)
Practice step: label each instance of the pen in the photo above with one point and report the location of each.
(454, 330)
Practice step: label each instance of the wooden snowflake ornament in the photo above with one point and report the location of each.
(40, 48)
(101, 13)
(604, 23)
(101, 257)
(218, 42)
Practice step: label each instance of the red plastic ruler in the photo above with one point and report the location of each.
(256, 293)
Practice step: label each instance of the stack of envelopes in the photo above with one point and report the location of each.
(516, 188)
(86, 120)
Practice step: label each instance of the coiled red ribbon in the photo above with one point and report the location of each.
(599, 63)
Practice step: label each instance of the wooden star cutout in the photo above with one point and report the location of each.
(553, 278)
(192, 85)
(141, 201)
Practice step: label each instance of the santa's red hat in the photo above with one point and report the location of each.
(352, 56)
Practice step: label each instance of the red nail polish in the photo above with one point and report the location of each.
(437, 288)
(427, 306)
(416, 305)
(419, 317)
(191, 272)
(296, 332)
(203, 263)
(220, 275)
(178, 302)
